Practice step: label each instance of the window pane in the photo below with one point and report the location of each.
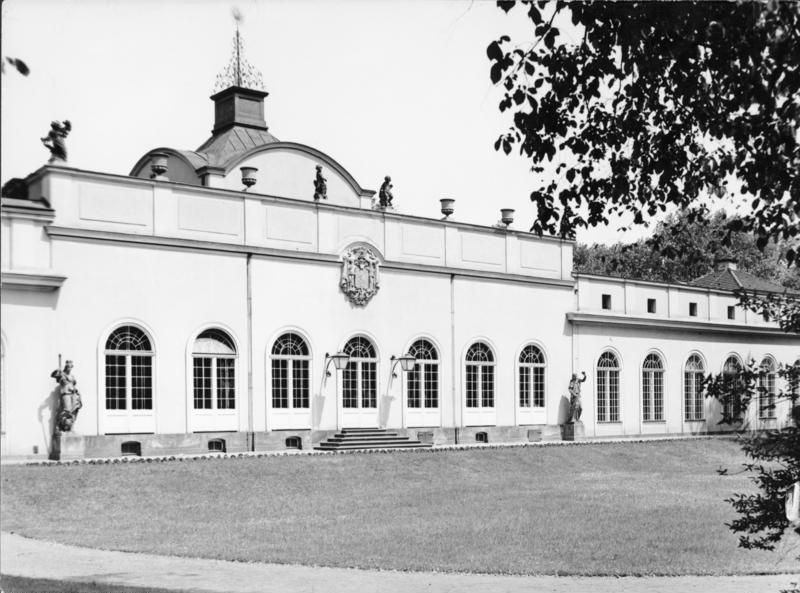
(538, 387)
(369, 385)
(226, 386)
(115, 382)
(413, 391)
(431, 385)
(280, 387)
(349, 385)
(300, 384)
(202, 383)
(647, 395)
(602, 396)
(141, 383)
(487, 386)
(613, 396)
(524, 387)
(472, 386)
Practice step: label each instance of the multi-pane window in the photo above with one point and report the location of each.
(693, 374)
(608, 388)
(129, 370)
(422, 381)
(480, 376)
(214, 377)
(360, 376)
(290, 372)
(652, 389)
(732, 377)
(766, 389)
(531, 377)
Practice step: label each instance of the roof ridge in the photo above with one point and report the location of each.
(735, 277)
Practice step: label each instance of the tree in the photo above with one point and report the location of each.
(657, 106)
(21, 66)
(681, 249)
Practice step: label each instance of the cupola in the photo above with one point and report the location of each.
(239, 92)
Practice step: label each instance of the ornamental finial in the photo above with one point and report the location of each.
(238, 72)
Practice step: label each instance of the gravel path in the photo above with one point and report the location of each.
(26, 557)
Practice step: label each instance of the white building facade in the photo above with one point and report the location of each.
(199, 312)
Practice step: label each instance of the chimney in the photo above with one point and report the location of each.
(239, 106)
(725, 263)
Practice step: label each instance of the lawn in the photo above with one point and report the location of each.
(606, 509)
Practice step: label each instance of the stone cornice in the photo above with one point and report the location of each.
(176, 243)
(13, 208)
(650, 323)
(39, 282)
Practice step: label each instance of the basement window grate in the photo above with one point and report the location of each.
(294, 443)
(481, 437)
(216, 446)
(132, 448)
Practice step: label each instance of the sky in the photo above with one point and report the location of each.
(387, 87)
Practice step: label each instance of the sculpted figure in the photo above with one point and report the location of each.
(385, 196)
(320, 185)
(54, 141)
(70, 401)
(575, 407)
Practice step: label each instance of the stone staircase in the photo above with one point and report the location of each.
(368, 438)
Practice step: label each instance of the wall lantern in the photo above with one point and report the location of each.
(447, 206)
(340, 360)
(248, 176)
(406, 363)
(507, 216)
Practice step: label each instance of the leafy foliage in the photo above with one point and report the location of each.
(21, 66)
(658, 104)
(775, 454)
(682, 249)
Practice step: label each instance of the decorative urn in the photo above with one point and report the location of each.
(447, 206)
(248, 176)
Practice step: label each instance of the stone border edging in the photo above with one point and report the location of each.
(434, 449)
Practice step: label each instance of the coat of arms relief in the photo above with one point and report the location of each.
(360, 275)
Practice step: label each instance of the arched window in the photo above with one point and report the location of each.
(652, 389)
(422, 381)
(213, 371)
(531, 377)
(608, 388)
(766, 389)
(693, 374)
(480, 376)
(732, 377)
(290, 372)
(129, 370)
(360, 376)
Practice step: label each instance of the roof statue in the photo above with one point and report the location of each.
(54, 141)
(385, 196)
(239, 72)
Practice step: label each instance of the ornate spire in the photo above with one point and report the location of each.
(238, 72)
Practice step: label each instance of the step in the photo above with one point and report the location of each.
(363, 435)
(386, 437)
(323, 447)
(365, 443)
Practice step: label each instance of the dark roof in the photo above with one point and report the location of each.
(736, 280)
(223, 147)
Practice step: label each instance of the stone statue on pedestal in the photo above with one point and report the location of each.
(385, 196)
(575, 407)
(70, 401)
(54, 141)
(320, 185)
